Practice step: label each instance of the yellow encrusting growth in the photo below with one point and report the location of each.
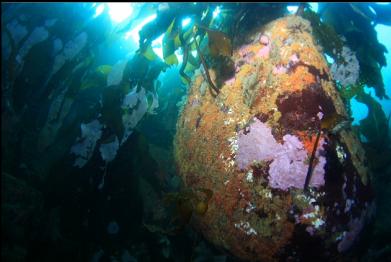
(243, 216)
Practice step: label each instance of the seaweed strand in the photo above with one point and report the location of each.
(311, 164)
(185, 58)
(206, 69)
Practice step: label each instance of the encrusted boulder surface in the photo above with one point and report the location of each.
(251, 146)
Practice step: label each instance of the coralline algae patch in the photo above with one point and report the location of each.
(251, 146)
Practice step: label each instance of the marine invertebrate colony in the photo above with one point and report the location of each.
(288, 167)
(268, 118)
(346, 72)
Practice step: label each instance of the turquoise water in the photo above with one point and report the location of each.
(360, 111)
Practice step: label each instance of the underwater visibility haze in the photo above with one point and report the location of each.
(196, 132)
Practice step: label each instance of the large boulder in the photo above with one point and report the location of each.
(251, 145)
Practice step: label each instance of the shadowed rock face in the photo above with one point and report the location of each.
(253, 214)
(300, 108)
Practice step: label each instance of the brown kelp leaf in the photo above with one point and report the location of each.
(104, 69)
(219, 43)
(330, 121)
(150, 54)
(169, 45)
(201, 208)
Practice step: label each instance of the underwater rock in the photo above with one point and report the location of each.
(347, 72)
(252, 144)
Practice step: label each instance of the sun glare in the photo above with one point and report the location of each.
(119, 11)
(134, 32)
(99, 10)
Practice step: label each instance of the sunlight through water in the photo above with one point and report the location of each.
(119, 11)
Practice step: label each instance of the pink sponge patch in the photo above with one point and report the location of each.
(278, 70)
(288, 167)
(264, 52)
(230, 81)
(294, 58)
(244, 50)
(264, 40)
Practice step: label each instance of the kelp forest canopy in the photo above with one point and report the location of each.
(38, 33)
